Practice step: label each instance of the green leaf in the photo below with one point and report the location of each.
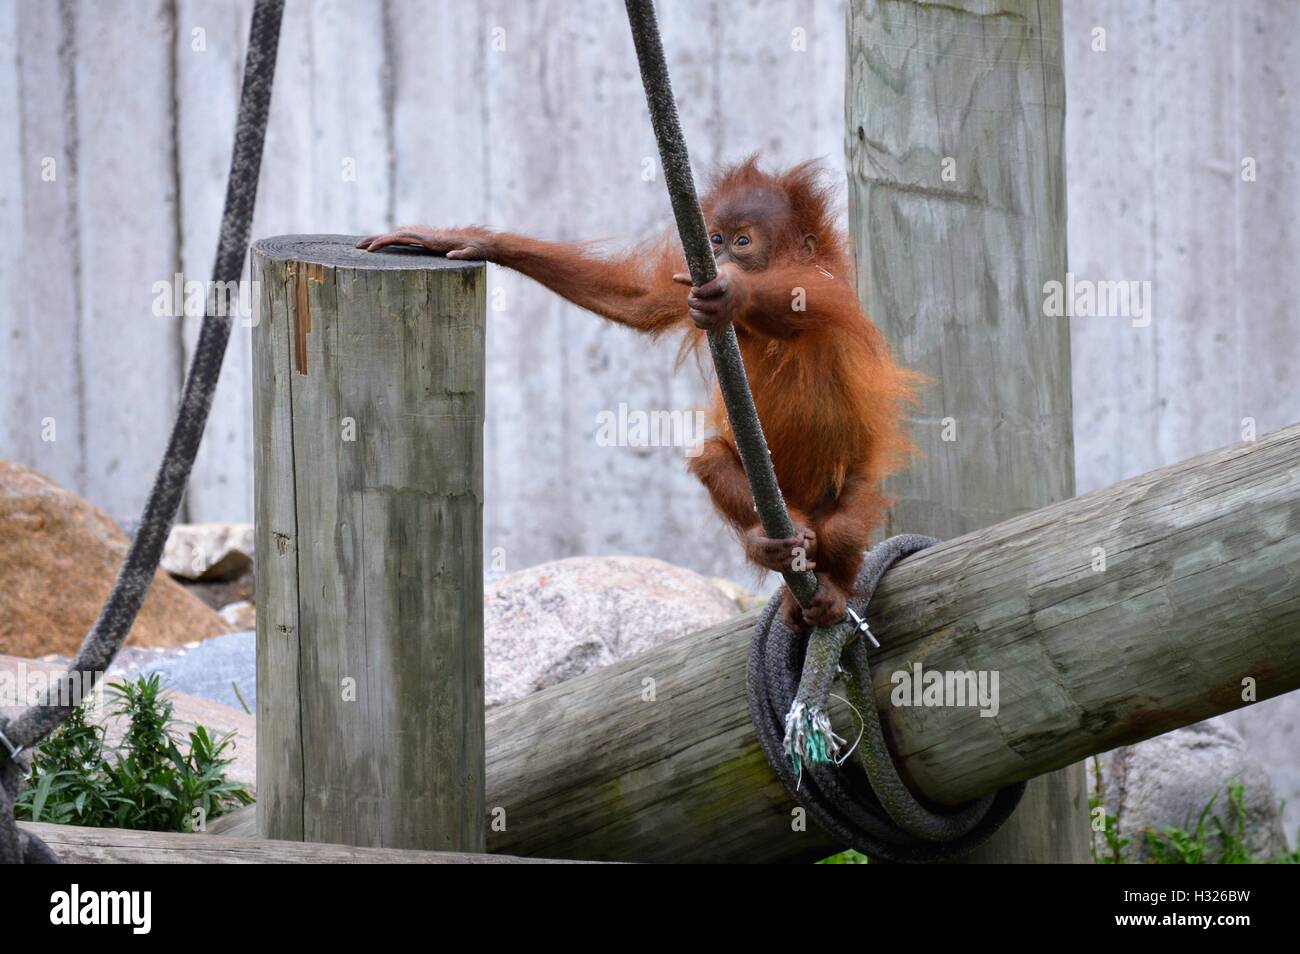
(42, 793)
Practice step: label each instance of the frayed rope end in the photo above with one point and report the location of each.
(809, 737)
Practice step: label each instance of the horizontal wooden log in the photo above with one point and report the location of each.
(1110, 618)
(76, 845)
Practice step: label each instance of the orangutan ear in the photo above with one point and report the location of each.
(809, 246)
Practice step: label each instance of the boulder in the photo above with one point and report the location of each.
(241, 615)
(59, 555)
(542, 626)
(222, 669)
(221, 593)
(743, 598)
(1272, 732)
(558, 620)
(209, 551)
(1167, 782)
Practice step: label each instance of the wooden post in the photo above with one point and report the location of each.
(368, 422)
(955, 118)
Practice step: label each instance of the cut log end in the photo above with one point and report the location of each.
(340, 251)
(370, 583)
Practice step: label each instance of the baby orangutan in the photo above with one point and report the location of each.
(828, 393)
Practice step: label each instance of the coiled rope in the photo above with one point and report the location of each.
(790, 676)
(789, 681)
(119, 611)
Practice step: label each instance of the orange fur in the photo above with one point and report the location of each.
(829, 395)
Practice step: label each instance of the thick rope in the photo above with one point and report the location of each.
(791, 674)
(891, 821)
(727, 363)
(119, 611)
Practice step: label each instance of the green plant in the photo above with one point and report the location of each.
(1175, 846)
(1210, 841)
(67, 772)
(846, 857)
(1291, 857)
(1115, 843)
(147, 783)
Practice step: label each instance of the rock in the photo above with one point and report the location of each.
(743, 598)
(558, 620)
(58, 558)
(221, 593)
(543, 625)
(241, 615)
(188, 710)
(1167, 781)
(209, 551)
(222, 669)
(1272, 732)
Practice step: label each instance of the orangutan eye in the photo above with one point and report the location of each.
(717, 238)
(742, 240)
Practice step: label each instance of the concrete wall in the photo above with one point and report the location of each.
(1158, 129)
(530, 116)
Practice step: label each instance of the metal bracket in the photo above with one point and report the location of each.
(13, 750)
(861, 625)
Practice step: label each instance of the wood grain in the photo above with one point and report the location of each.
(1200, 591)
(955, 118)
(76, 845)
(369, 397)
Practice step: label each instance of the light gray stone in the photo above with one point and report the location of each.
(1167, 782)
(1272, 732)
(220, 670)
(209, 551)
(542, 625)
(190, 710)
(744, 599)
(558, 620)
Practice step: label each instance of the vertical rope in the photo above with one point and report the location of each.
(119, 611)
(727, 362)
(788, 699)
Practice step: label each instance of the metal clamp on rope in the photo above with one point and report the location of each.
(861, 625)
(13, 750)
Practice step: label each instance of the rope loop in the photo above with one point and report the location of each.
(789, 681)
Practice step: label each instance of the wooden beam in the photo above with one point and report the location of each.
(368, 374)
(76, 845)
(956, 116)
(1110, 618)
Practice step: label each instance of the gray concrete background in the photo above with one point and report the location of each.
(530, 116)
